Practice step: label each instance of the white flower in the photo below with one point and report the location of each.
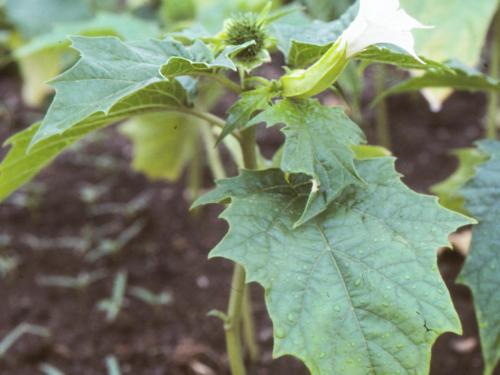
(381, 21)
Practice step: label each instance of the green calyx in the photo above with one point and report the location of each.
(244, 28)
(319, 76)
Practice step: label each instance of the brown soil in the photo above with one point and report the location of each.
(169, 254)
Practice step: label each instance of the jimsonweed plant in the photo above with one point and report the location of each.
(345, 251)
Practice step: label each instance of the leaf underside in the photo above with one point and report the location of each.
(163, 143)
(481, 272)
(355, 290)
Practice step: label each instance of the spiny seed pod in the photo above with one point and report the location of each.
(244, 28)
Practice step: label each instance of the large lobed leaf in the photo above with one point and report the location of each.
(318, 143)
(24, 160)
(481, 272)
(303, 41)
(46, 55)
(355, 290)
(459, 77)
(112, 80)
(108, 71)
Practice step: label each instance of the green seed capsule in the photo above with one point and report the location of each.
(244, 28)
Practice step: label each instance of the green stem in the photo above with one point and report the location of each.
(382, 124)
(491, 130)
(236, 298)
(207, 116)
(232, 326)
(214, 159)
(248, 147)
(219, 173)
(249, 327)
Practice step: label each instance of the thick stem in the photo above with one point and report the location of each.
(236, 298)
(248, 147)
(249, 327)
(214, 159)
(491, 130)
(233, 323)
(382, 123)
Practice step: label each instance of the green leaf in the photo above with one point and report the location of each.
(241, 112)
(481, 270)
(460, 77)
(33, 17)
(318, 143)
(385, 54)
(303, 41)
(354, 291)
(199, 59)
(109, 70)
(460, 27)
(449, 191)
(364, 152)
(35, 70)
(162, 142)
(123, 26)
(46, 55)
(23, 161)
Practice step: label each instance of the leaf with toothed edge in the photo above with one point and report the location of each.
(481, 272)
(355, 290)
(110, 70)
(240, 113)
(23, 161)
(318, 143)
(199, 59)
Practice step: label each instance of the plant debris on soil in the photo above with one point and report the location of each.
(83, 203)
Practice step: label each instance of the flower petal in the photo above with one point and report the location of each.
(381, 21)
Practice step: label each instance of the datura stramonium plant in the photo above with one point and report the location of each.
(378, 21)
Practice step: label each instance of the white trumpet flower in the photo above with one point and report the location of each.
(377, 22)
(381, 21)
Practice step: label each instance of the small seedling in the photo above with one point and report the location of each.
(112, 365)
(109, 247)
(151, 298)
(113, 305)
(7, 265)
(79, 282)
(18, 332)
(128, 210)
(48, 369)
